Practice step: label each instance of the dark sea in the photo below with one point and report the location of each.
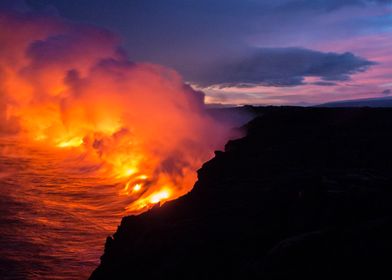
(54, 216)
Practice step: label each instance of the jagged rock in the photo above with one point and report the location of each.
(312, 177)
(353, 252)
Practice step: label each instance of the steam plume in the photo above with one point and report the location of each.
(69, 86)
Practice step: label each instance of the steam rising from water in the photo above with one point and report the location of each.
(66, 86)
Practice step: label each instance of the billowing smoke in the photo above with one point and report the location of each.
(69, 86)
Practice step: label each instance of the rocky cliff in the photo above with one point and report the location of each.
(307, 193)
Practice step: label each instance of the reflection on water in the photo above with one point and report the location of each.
(53, 220)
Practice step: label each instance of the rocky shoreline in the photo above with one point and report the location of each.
(307, 193)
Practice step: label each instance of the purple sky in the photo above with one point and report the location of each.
(251, 51)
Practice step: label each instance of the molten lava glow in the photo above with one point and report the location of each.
(70, 87)
(126, 172)
(75, 142)
(159, 196)
(137, 187)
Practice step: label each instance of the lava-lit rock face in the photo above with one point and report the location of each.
(306, 193)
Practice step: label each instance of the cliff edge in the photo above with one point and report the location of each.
(307, 193)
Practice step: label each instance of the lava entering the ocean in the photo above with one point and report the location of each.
(70, 87)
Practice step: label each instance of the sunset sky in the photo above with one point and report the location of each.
(298, 52)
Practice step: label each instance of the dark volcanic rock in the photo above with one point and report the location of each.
(307, 193)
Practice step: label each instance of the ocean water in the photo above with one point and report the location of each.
(54, 216)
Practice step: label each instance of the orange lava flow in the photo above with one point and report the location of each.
(69, 87)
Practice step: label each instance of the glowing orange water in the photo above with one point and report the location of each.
(53, 220)
(56, 210)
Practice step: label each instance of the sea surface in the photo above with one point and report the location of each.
(54, 216)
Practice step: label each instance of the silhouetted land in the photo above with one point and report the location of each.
(378, 102)
(306, 194)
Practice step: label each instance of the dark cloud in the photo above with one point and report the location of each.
(324, 83)
(187, 34)
(387, 92)
(205, 40)
(283, 67)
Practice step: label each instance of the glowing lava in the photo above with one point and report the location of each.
(159, 196)
(75, 142)
(137, 187)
